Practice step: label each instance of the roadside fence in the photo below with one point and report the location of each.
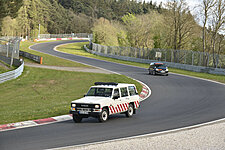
(188, 57)
(147, 56)
(9, 53)
(9, 47)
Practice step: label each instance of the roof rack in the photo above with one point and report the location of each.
(106, 83)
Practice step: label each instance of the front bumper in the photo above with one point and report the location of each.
(86, 115)
(162, 72)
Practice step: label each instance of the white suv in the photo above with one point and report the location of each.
(106, 99)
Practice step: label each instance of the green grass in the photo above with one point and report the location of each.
(77, 49)
(2, 69)
(41, 93)
(48, 59)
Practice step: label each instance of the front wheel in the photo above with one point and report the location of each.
(153, 73)
(103, 117)
(130, 111)
(77, 118)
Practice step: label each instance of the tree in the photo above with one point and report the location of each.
(9, 8)
(218, 22)
(138, 30)
(206, 10)
(9, 26)
(105, 32)
(180, 22)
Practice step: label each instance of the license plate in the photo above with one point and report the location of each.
(83, 112)
(162, 71)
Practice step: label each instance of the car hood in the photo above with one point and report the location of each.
(164, 68)
(91, 100)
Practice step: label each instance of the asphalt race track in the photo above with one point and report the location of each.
(176, 101)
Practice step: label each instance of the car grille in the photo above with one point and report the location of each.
(83, 109)
(85, 105)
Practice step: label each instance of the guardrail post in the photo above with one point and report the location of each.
(12, 55)
(192, 63)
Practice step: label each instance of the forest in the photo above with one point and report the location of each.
(128, 23)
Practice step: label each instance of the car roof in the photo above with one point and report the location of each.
(155, 63)
(113, 86)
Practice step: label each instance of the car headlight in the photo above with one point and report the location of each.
(166, 69)
(73, 105)
(157, 69)
(97, 106)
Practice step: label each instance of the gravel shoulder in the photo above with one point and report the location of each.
(75, 69)
(207, 137)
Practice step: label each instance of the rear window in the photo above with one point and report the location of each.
(132, 90)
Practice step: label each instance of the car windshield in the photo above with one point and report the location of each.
(99, 91)
(160, 65)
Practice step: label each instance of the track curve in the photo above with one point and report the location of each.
(176, 101)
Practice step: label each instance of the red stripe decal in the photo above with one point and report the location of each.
(127, 105)
(116, 110)
(113, 110)
(110, 109)
(135, 102)
(124, 107)
(119, 107)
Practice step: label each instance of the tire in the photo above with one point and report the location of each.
(153, 73)
(77, 118)
(130, 111)
(103, 117)
(167, 74)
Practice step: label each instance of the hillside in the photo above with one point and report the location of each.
(65, 16)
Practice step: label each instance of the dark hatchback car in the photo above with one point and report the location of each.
(158, 68)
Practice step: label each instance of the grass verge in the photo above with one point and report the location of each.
(5, 67)
(2, 69)
(77, 49)
(41, 93)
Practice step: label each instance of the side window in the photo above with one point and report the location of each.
(116, 93)
(124, 92)
(152, 66)
(132, 90)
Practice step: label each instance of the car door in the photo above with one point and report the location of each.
(125, 99)
(134, 97)
(116, 100)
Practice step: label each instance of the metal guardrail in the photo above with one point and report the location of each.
(12, 74)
